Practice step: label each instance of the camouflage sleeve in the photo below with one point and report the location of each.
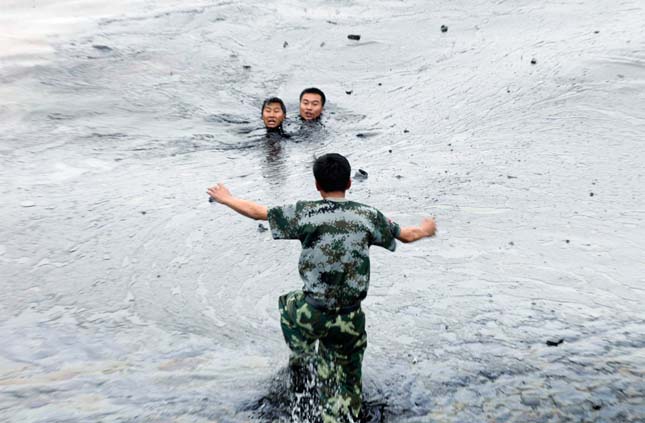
(284, 223)
(386, 232)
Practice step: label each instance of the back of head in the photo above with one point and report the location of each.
(314, 90)
(332, 172)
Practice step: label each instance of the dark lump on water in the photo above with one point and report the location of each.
(102, 48)
(360, 175)
(554, 342)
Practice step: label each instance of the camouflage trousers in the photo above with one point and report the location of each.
(341, 343)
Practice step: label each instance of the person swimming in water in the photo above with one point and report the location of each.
(273, 115)
(312, 103)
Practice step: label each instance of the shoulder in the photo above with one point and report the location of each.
(306, 204)
(298, 205)
(305, 208)
(362, 209)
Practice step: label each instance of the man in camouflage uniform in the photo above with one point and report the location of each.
(334, 265)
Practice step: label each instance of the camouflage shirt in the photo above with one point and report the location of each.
(335, 237)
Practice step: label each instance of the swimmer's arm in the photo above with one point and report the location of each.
(427, 228)
(246, 208)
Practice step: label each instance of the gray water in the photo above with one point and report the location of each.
(128, 297)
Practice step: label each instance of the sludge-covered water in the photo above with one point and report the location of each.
(128, 297)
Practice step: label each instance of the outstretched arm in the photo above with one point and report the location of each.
(246, 208)
(427, 228)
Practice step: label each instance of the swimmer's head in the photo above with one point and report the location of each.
(332, 172)
(312, 101)
(273, 112)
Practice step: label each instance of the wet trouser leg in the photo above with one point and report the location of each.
(299, 335)
(339, 368)
(342, 344)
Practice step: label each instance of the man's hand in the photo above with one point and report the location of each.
(428, 226)
(219, 193)
(222, 195)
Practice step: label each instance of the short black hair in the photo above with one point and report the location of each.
(314, 90)
(274, 100)
(332, 172)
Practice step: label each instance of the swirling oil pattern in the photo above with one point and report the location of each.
(128, 297)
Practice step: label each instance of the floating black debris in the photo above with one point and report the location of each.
(349, 92)
(360, 135)
(554, 343)
(354, 37)
(102, 48)
(444, 28)
(285, 44)
(143, 212)
(405, 131)
(533, 61)
(246, 66)
(360, 174)
(591, 194)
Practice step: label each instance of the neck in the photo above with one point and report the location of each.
(332, 194)
(277, 129)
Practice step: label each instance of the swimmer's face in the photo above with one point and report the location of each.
(311, 106)
(272, 115)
